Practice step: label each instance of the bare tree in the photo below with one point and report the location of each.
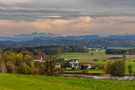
(50, 66)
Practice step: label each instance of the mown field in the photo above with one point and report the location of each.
(30, 82)
(79, 55)
(98, 57)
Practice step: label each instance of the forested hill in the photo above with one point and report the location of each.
(83, 40)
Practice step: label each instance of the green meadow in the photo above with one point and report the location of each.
(31, 82)
(77, 55)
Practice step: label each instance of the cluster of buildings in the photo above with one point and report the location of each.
(76, 64)
(70, 64)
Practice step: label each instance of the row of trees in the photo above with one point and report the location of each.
(56, 49)
(121, 51)
(116, 68)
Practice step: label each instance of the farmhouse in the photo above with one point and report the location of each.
(39, 58)
(74, 63)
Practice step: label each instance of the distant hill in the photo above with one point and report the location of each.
(41, 39)
(35, 34)
(122, 36)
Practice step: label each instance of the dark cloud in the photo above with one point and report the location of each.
(37, 9)
(110, 3)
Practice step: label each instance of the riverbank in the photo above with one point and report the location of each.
(106, 77)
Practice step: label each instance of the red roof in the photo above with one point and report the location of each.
(38, 57)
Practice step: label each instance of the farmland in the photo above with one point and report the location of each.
(99, 58)
(30, 82)
(88, 56)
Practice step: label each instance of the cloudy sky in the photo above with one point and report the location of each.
(67, 17)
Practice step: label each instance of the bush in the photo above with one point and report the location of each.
(104, 60)
(95, 60)
(130, 69)
(36, 70)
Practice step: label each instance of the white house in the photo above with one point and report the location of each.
(74, 63)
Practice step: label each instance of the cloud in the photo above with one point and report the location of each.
(75, 26)
(67, 17)
(12, 2)
(48, 25)
(109, 3)
(116, 19)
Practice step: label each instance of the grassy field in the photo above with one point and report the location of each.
(97, 55)
(30, 82)
(73, 55)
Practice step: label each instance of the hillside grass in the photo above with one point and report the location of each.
(31, 82)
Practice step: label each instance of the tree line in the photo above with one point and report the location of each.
(56, 49)
(121, 51)
(23, 63)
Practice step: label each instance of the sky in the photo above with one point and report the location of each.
(67, 17)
